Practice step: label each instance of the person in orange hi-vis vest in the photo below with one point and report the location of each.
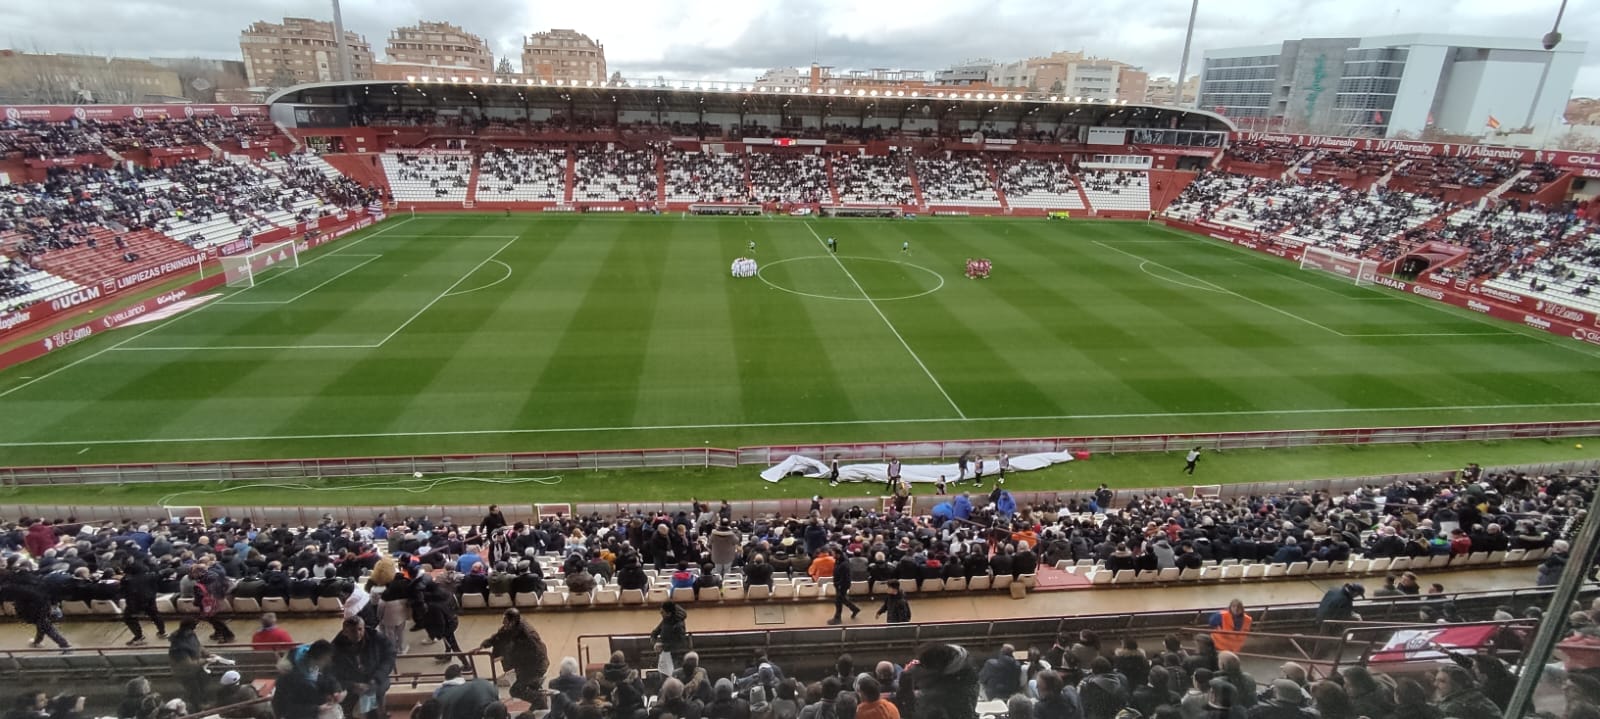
(1232, 625)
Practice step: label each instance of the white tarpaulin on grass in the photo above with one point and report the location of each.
(910, 472)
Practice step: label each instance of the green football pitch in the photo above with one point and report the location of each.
(478, 333)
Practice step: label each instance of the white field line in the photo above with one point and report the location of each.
(214, 348)
(319, 286)
(874, 306)
(828, 423)
(1224, 290)
(447, 291)
(507, 276)
(158, 326)
(1448, 310)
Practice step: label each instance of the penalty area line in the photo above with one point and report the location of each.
(768, 425)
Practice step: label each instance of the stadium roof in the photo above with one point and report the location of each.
(722, 97)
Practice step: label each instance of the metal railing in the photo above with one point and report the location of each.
(506, 463)
(802, 644)
(310, 515)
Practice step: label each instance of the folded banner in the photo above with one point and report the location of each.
(815, 468)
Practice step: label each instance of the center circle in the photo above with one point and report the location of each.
(821, 276)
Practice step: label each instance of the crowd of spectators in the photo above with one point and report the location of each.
(388, 572)
(874, 179)
(706, 177)
(94, 206)
(789, 177)
(40, 139)
(1022, 178)
(1265, 153)
(1439, 170)
(522, 174)
(1111, 181)
(615, 175)
(955, 180)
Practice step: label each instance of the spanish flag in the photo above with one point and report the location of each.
(1492, 123)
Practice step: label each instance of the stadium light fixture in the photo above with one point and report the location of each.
(483, 79)
(1004, 96)
(833, 91)
(453, 78)
(967, 95)
(411, 78)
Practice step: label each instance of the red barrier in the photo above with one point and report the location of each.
(1492, 301)
(73, 335)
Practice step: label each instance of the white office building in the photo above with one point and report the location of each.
(1390, 84)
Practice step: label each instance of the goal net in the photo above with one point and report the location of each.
(1361, 271)
(242, 270)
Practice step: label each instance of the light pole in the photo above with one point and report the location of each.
(1550, 41)
(1183, 64)
(345, 73)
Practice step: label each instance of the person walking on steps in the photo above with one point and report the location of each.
(1190, 459)
(139, 587)
(895, 605)
(841, 589)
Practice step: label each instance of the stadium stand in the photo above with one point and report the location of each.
(614, 176)
(707, 555)
(706, 177)
(433, 176)
(958, 180)
(788, 177)
(1117, 189)
(521, 175)
(873, 179)
(1042, 184)
(21, 285)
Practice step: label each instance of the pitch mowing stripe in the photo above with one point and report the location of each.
(874, 306)
(1452, 311)
(761, 425)
(196, 311)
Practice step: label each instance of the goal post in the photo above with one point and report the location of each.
(241, 270)
(1357, 269)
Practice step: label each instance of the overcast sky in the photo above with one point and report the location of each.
(683, 39)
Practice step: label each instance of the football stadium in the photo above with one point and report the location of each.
(466, 395)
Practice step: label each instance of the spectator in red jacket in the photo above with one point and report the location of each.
(271, 637)
(41, 538)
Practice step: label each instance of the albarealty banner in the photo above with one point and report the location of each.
(1586, 164)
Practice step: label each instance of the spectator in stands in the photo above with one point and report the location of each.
(1287, 701)
(187, 660)
(1001, 674)
(1103, 692)
(1550, 570)
(946, 682)
(1244, 685)
(671, 634)
(35, 605)
(1459, 696)
(362, 662)
(1338, 604)
(234, 690)
(271, 637)
(467, 700)
(138, 588)
(520, 648)
(895, 609)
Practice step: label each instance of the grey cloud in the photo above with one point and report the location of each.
(1147, 33)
